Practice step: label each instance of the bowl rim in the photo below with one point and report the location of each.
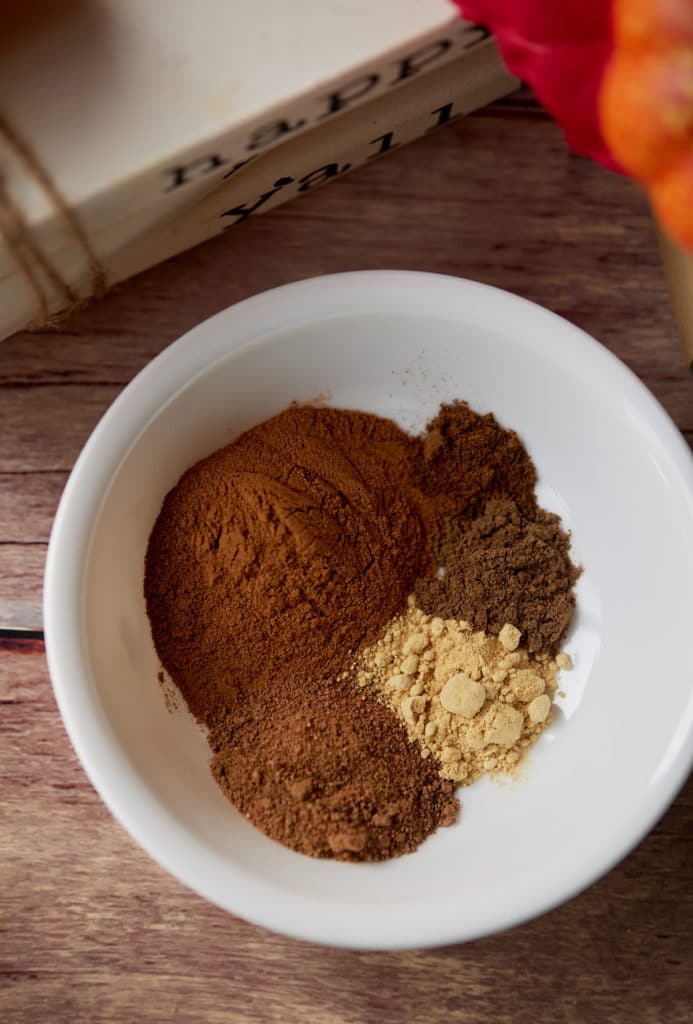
(279, 310)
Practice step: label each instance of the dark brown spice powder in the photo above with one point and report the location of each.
(505, 567)
(330, 773)
(469, 459)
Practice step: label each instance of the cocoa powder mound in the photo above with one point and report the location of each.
(330, 773)
(280, 554)
(469, 459)
(505, 567)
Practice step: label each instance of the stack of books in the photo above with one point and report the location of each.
(132, 131)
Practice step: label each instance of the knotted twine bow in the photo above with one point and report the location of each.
(36, 267)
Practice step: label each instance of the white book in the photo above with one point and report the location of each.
(151, 116)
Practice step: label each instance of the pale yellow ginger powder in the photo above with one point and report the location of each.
(473, 701)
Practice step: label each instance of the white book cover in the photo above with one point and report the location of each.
(144, 105)
(136, 112)
(324, 155)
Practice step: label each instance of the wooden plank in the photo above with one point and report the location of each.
(92, 930)
(21, 585)
(27, 505)
(28, 501)
(44, 428)
(487, 198)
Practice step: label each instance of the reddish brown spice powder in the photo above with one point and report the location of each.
(280, 554)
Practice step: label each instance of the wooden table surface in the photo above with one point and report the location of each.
(90, 928)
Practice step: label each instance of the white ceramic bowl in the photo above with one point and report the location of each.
(610, 462)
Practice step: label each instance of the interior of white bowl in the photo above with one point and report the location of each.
(609, 462)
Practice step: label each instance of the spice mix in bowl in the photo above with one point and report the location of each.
(365, 611)
(360, 618)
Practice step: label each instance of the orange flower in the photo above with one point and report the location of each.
(646, 105)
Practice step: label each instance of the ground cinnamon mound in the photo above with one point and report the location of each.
(330, 773)
(280, 554)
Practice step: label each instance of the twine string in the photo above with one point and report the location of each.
(32, 261)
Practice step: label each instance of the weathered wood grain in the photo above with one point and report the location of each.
(44, 428)
(28, 501)
(21, 585)
(27, 505)
(92, 930)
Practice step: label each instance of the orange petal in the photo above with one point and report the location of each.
(652, 24)
(646, 110)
